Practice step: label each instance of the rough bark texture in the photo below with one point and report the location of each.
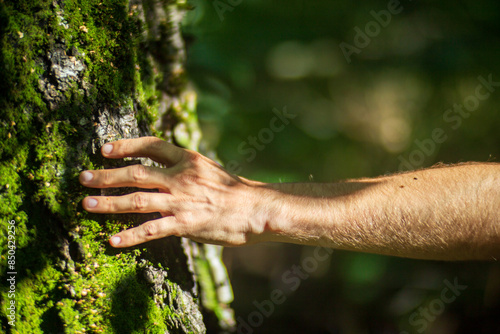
(77, 74)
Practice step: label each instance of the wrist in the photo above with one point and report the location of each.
(283, 215)
(264, 212)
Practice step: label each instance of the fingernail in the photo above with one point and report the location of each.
(91, 203)
(87, 176)
(115, 241)
(107, 148)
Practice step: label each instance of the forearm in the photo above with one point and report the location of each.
(441, 213)
(448, 213)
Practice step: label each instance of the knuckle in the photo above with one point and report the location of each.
(186, 179)
(149, 229)
(110, 204)
(124, 147)
(106, 177)
(192, 158)
(139, 202)
(181, 218)
(139, 173)
(186, 220)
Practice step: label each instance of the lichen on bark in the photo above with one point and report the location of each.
(77, 74)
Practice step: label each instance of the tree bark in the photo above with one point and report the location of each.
(77, 74)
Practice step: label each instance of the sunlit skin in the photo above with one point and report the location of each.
(442, 213)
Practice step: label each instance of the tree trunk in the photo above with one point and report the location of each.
(75, 75)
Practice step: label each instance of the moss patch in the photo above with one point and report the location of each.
(62, 63)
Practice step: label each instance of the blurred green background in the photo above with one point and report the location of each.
(362, 115)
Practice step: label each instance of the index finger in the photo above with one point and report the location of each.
(144, 147)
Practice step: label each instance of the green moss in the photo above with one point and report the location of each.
(66, 308)
(34, 299)
(69, 278)
(11, 199)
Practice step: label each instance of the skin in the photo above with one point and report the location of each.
(442, 213)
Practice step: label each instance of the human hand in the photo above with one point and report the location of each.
(197, 198)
